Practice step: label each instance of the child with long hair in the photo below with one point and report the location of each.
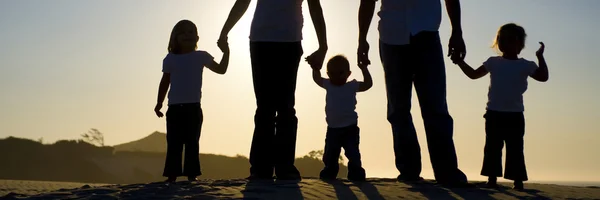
(182, 72)
(505, 122)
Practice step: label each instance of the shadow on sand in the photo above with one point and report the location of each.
(431, 190)
(343, 190)
(272, 189)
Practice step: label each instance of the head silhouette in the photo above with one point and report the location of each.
(338, 70)
(510, 40)
(184, 37)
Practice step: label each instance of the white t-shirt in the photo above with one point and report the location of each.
(399, 19)
(186, 75)
(277, 21)
(340, 104)
(508, 82)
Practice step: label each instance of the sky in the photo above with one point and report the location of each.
(69, 66)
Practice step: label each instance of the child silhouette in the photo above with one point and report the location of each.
(182, 71)
(505, 122)
(342, 119)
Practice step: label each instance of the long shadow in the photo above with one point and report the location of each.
(532, 192)
(480, 191)
(271, 189)
(429, 190)
(432, 190)
(474, 191)
(369, 190)
(342, 191)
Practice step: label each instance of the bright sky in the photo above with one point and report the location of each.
(68, 66)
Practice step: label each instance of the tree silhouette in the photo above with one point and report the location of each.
(318, 154)
(94, 136)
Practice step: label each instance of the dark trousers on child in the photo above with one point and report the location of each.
(500, 128)
(184, 122)
(336, 139)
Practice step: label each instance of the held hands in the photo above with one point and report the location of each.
(223, 44)
(315, 60)
(363, 66)
(157, 110)
(456, 47)
(363, 54)
(456, 59)
(540, 52)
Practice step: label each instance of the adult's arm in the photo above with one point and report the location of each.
(237, 11)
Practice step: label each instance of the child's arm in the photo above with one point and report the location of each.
(368, 82)
(237, 11)
(541, 73)
(165, 81)
(318, 78)
(470, 72)
(221, 67)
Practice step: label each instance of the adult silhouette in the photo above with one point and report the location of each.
(411, 52)
(275, 52)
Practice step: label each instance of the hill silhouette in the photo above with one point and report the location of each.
(155, 142)
(138, 161)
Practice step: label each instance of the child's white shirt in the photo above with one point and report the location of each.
(508, 83)
(186, 75)
(340, 104)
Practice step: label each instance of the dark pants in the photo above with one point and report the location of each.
(421, 62)
(274, 71)
(184, 122)
(336, 139)
(500, 128)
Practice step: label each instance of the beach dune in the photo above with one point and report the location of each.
(308, 188)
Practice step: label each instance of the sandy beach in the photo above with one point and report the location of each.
(306, 189)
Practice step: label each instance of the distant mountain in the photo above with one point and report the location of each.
(140, 161)
(155, 142)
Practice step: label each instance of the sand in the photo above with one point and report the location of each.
(306, 189)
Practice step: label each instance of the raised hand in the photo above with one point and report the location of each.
(363, 54)
(540, 52)
(157, 110)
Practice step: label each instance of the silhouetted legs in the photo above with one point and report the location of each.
(500, 128)
(420, 62)
(274, 73)
(398, 78)
(184, 123)
(336, 139)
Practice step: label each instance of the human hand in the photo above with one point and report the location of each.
(456, 59)
(363, 66)
(315, 60)
(540, 52)
(223, 37)
(363, 54)
(157, 110)
(456, 46)
(223, 45)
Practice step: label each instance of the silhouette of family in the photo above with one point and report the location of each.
(411, 53)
